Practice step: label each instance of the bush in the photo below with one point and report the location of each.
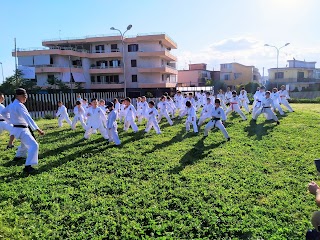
(48, 116)
(295, 100)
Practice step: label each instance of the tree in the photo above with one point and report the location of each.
(57, 84)
(15, 81)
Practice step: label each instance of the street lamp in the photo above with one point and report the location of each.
(278, 50)
(2, 72)
(123, 56)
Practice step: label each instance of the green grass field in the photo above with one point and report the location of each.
(174, 185)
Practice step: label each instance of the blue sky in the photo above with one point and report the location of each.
(209, 31)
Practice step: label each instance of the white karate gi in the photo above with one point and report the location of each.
(4, 121)
(217, 115)
(227, 97)
(235, 106)
(79, 113)
(152, 120)
(112, 128)
(130, 116)
(266, 105)
(172, 108)
(178, 99)
(284, 96)
(206, 113)
(163, 111)
(244, 101)
(122, 113)
(63, 115)
(258, 97)
(276, 102)
(222, 100)
(191, 119)
(19, 117)
(96, 121)
(141, 111)
(183, 110)
(117, 109)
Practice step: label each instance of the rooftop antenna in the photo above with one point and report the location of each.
(59, 34)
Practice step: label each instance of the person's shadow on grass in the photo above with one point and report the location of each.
(261, 129)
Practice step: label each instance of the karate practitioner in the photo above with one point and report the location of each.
(142, 109)
(5, 123)
(122, 111)
(284, 96)
(265, 108)
(191, 117)
(62, 114)
(152, 113)
(172, 108)
(235, 106)
(258, 97)
(130, 114)
(79, 114)
(116, 105)
(96, 120)
(244, 100)
(227, 96)
(217, 115)
(178, 99)
(22, 123)
(112, 126)
(206, 112)
(102, 105)
(221, 96)
(163, 108)
(276, 100)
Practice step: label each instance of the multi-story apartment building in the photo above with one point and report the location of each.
(102, 63)
(299, 74)
(234, 74)
(196, 76)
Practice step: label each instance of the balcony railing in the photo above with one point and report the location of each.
(56, 66)
(104, 67)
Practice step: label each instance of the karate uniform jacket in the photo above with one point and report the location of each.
(96, 118)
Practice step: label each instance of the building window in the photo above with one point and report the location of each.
(98, 79)
(51, 60)
(134, 63)
(134, 78)
(226, 77)
(279, 75)
(133, 48)
(255, 77)
(100, 49)
(51, 76)
(226, 66)
(93, 80)
(114, 48)
(300, 75)
(237, 75)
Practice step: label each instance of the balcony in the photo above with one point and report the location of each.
(295, 80)
(107, 85)
(52, 68)
(162, 69)
(106, 70)
(161, 54)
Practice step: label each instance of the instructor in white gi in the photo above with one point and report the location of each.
(22, 122)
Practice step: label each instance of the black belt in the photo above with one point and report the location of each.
(24, 126)
(266, 107)
(20, 126)
(2, 120)
(215, 119)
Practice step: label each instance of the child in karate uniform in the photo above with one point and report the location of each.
(284, 95)
(78, 115)
(206, 112)
(130, 114)
(63, 115)
(234, 106)
(192, 117)
(217, 115)
(276, 100)
(244, 100)
(163, 107)
(152, 113)
(112, 126)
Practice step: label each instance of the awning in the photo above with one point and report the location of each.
(78, 77)
(66, 77)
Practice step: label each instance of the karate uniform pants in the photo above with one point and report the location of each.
(113, 136)
(256, 107)
(130, 123)
(203, 118)
(218, 124)
(29, 147)
(4, 126)
(194, 124)
(101, 129)
(244, 104)
(75, 120)
(236, 108)
(141, 116)
(277, 106)
(268, 113)
(286, 104)
(61, 118)
(152, 123)
(166, 115)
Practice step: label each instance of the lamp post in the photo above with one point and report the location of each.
(2, 72)
(278, 50)
(123, 56)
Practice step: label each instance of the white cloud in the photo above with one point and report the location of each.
(247, 51)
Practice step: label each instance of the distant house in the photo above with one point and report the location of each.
(299, 74)
(195, 76)
(234, 74)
